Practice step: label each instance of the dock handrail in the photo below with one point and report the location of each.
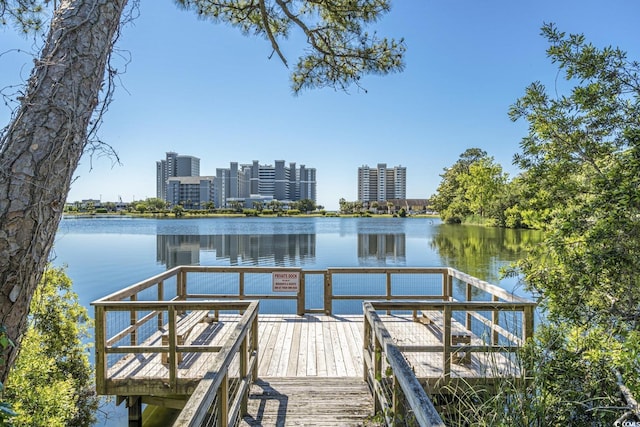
(404, 380)
(155, 313)
(212, 398)
(179, 276)
(513, 342)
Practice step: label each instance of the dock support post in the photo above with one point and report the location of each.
(134, 403)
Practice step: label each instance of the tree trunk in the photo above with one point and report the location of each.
(42, 146)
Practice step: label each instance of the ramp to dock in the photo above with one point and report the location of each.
(306, 401)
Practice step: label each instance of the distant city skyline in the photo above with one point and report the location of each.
(193, 86)
(179, 182)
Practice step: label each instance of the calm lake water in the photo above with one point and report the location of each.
(103, 255)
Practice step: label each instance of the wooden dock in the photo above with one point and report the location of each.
(204, 353)
(307, 346)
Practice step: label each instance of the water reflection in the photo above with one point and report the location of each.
(382, 249)
(268, 249)
(237, 249)
(481, 251)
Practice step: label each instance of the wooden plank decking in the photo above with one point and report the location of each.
(304, 401)
(309, 346)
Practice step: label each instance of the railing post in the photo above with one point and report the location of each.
(527, 322)
(446, 341)
(328, 294)
(132, 321)
(240, 292)
(377, 373)
(160, 298)
(181, 284)
(182, 287)
(100, 331)
(244, 371)
(366, 342)
(223, 401)
(173, 357)
(396, 398)
(469, 298)
(254, 347)
(388, 289)
(301, 295)
(495, 320)
(447, 286)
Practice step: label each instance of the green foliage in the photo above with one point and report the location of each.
(569, 382)
(474, 185)
(582, 170)
(305, 205)
(141, 207)
(178, 210)
(27, 15)
(6, 410)
(51, 381)
(341, 49)
(40, 395)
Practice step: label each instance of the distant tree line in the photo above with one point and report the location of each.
(476, 189)
(153, 205)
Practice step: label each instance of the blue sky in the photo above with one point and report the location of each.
(204, 89)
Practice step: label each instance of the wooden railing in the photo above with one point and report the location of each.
(143, 335)
(336, 286)
(221, 398)
(392, 377)
(398, 385)
(327, 286)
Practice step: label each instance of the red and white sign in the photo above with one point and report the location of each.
(286, 281)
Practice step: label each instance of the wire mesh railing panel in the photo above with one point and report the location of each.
(260, 284)
(416, 284)
(314, 290)
(359, 284)
(212, 418)
(216, 283)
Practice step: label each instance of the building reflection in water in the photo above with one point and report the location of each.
(238, 249)
(382, 249)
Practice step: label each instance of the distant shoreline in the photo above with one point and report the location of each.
(170, 215)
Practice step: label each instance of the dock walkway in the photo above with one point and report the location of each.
(309, 401)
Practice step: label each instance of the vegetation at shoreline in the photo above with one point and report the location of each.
(580, 185)
(51, 383)
(157, 208)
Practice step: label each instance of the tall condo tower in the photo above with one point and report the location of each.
(381, 183)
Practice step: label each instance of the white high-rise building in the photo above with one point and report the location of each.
(381, 183)
(174, 165)
(277, 182)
